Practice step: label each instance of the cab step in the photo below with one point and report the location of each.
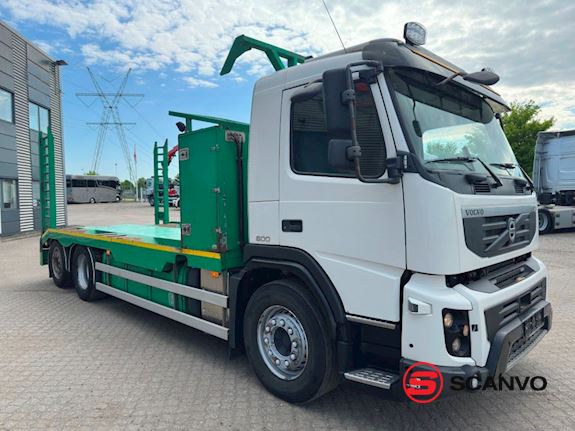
(373, 377)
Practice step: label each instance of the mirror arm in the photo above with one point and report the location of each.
(354, 152)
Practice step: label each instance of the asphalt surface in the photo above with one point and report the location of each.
(68, 364)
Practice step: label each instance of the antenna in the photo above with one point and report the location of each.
(334, 26)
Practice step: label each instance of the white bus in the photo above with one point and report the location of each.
(92, 189)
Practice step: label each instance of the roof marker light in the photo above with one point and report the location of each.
(414, 33)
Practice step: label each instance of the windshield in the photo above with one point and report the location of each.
(449, 126)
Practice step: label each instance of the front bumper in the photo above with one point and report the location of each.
(510, 344)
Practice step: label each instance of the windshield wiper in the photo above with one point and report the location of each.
(469, 160)
(453, 159)
(503, 165)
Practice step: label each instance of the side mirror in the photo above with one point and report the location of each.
(340, 154)
(485, 77)
(336, 112)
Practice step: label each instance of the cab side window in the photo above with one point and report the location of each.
(310, 139)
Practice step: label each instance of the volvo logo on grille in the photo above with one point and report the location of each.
(511, 229)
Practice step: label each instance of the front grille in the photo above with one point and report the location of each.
(512, 276)
(481, 188)
(500, 315)
(494, 235)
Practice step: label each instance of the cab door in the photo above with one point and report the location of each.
(354, 230)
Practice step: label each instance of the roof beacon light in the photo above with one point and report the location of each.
(414, 33)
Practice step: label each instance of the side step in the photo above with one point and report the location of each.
(373, 377)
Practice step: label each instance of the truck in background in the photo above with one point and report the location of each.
(554, 179)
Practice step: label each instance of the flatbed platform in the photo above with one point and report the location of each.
(126, 239)
(152, 234)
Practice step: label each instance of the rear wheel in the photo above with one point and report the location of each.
(84, 274)
(545, 222)
(57, 265)
(287, 342)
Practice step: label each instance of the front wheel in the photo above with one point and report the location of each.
(545, 222)
(287, 342)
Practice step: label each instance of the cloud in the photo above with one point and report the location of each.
(527, 43)
(195, 82)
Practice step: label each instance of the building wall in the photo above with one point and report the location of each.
(31, 76)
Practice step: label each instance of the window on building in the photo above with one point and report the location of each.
(310, 139)
(6, 106)
(39, 118)
(36, 193)
(9, 194)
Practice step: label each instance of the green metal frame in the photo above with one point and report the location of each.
(161, 213)
(47, 180)
(275, 54)
(230, 124)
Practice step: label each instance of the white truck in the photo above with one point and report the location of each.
(385, 222)
(554, 179)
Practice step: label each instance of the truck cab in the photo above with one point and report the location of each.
(433, 266)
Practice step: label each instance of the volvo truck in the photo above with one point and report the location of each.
(554, 179)
(369, 218)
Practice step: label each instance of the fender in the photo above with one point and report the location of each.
(299, 263)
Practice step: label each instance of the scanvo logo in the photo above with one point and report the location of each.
(422, 382)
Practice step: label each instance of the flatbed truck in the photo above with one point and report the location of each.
(365, 221)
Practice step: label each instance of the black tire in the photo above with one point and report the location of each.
(57, 266)
(151, 201)
(546, 222)
(92, 200)
(83, 274)
(319, 374)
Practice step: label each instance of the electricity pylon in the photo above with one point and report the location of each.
(111, 117)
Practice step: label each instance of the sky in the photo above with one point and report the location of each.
(175, 49)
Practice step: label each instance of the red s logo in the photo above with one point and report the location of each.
(422, 382)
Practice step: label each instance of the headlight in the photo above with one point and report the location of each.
(456, 331)
(448, 320)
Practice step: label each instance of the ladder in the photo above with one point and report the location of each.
(47, 181)
(161, 197)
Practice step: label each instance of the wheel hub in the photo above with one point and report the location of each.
(282, 342)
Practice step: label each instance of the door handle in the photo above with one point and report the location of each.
(292, 226)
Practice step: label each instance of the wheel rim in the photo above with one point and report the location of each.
(282, 342)
(83, 272)
(543, 221)
(57, 262)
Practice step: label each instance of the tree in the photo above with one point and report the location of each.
(91, 173)
(177, 179)
(127, 185)
(141, 183)
(521, 126)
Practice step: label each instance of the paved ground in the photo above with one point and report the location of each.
(67, 364)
